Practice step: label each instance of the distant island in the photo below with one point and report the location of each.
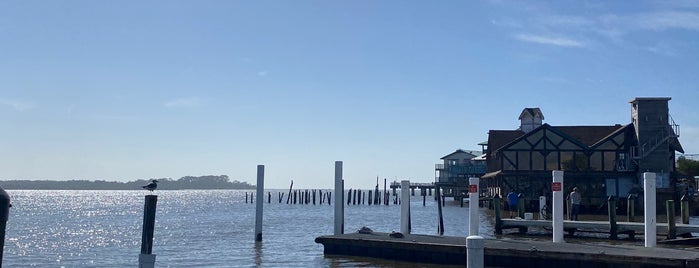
(184, 183)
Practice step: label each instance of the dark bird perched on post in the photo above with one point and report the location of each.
(151, 186)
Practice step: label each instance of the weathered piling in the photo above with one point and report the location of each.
(147, 259)
(330, 195)
(339, 227)
(611, 207)
(288, 196)
(269, 197)
(349, 197)
(521, 205)
(630, 208)
(4, 216)
(671, 228)
(246, 197)
(684, 209)
(405, 207)
(440, 220)
(369, 200)
(498, 216)
(258, 210)
(649, 230)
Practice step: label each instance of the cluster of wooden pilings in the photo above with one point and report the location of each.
(302, 197)
(354, 197)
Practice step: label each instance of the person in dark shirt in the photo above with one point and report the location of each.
(512, 202)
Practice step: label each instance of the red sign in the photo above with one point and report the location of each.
(472, 188)
(556, 186)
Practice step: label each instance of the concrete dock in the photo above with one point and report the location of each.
(504, 253)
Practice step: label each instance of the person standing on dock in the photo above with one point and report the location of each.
(512, 202)
(575, 199)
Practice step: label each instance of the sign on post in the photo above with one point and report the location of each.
(556, 186)
(473, 188)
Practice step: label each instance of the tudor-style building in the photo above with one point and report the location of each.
(600, 160)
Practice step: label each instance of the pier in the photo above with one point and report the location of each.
(629, 228)
(504, 253)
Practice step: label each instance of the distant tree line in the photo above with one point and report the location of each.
(188, 182)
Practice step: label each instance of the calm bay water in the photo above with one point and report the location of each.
(197, 228)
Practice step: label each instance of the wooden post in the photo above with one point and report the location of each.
(521, 205)
(630, 208)
(269, 197)
(258, 210)
(4, 216)
(423, 200)
(405, 207)
(288, 197)
(611, 207)
(369, 200)
(330, 195)
(246, 197)
(498, 217)
(146, 259)
(440, 223)
(684, 209)
(339, 227)
(649, 209)
(671, 228)
(385, 196)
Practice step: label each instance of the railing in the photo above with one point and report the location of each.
(672, 131)
(461, 169)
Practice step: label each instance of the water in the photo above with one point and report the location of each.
(198, 228)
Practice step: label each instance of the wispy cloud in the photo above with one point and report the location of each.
(183, 102)
(547, 40)
(667, 20)
(262, 73)
(19, 105)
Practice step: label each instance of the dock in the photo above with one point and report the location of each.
(629, 228)
(503, 252)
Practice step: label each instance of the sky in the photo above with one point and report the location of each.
(127, 90)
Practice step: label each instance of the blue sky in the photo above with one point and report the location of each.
(125, 90)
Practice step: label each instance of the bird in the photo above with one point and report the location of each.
(151, 186)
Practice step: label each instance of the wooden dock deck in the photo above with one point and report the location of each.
(505, 253)
(630, 228)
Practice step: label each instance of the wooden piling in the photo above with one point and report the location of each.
(440, 221)
(4, 216)
(684, 209)
(630, 208)
(258, 211)
(246, 197)
(671, 227)
(288, 197)
(149, 209)
(349, 197)
(521, 205)
(369, 200)
(498, 217)
(269, 197)
(611, 207)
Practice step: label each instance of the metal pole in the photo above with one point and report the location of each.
(260, 192)
(649, 209)
(339, 205)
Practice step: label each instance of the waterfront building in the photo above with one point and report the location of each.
(601, 161)
(453, 173)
